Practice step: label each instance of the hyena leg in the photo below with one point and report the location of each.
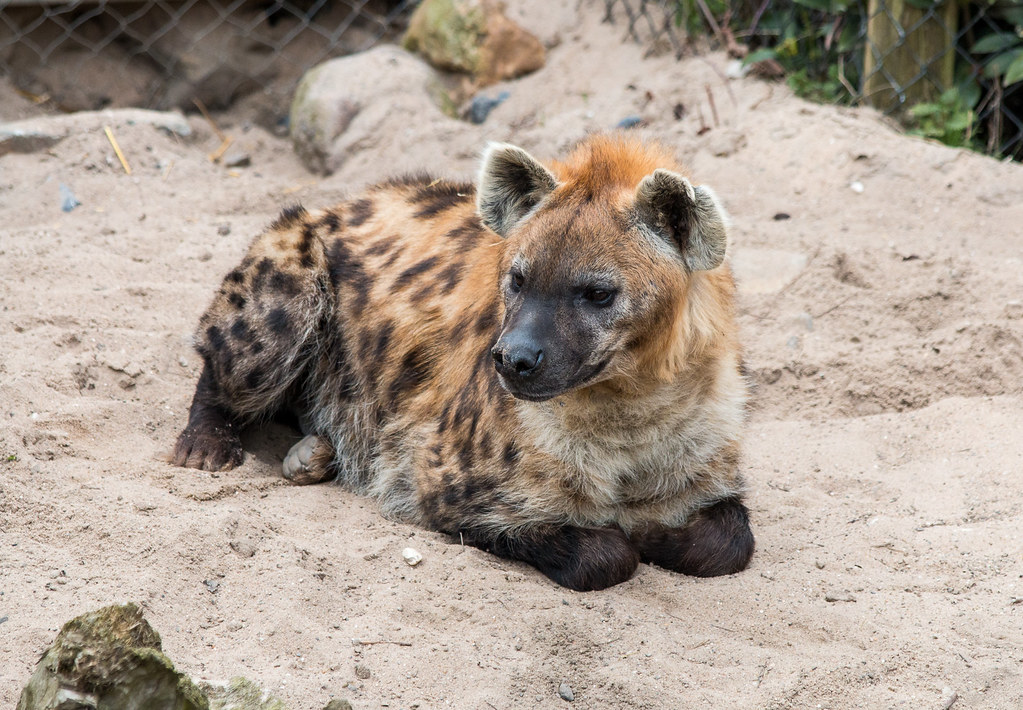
(583, 559)
(256, 339)
(717, 540)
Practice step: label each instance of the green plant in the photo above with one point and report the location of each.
(950, 119)
(11, 458)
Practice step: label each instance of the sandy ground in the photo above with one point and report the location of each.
(883, 328)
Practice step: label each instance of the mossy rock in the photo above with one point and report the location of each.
(110, 659)
(473, 37)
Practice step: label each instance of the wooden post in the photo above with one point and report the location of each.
(908, 60)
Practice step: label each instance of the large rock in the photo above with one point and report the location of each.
(109, 660)
(360, 102)
(474, 37)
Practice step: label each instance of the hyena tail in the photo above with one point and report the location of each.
(257, 339)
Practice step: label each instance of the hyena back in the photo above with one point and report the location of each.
(544, 364)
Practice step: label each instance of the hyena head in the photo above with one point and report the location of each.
(601, 253)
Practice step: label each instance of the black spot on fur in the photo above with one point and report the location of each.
(290, 216)
(284, 283)
(237, 300)
(257, 348)
(424, 292)
(330, 221)
(511, 454)
(485, 447)
(305, 246)
(469, 232)
(440, 196)
(215, 338)
(345, 269)
(486, 321)
(466, 452)
(359, 211)
(406, 276)
(395, 255)
(415, 371)
(236, 276)
(240, 330)
(716, 540)
(383, 341)
(279, 321)
(414, 179)
(255, 378)
(381, 247)
(450, 275)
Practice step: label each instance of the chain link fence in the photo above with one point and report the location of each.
(90, 54)
(951, 69)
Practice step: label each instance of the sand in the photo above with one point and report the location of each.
(880, 305)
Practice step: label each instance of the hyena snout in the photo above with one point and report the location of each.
(518, 359)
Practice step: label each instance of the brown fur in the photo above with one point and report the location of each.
(375, 321)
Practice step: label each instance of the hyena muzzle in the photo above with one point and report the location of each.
(544, 364)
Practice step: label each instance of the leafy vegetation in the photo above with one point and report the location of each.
(819, 47)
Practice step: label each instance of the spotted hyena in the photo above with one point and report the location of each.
(544, 364)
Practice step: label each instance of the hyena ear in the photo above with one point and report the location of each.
(691, 218)
(511, 183)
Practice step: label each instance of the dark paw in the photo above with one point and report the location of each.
(583, 559)
(216, 449)
(717, 540)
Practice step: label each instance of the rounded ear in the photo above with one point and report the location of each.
(511, 182)
(690, 218)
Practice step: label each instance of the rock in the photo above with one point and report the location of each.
(835, 595)
(356, 101)
(629, 122)
(766, 270)
(362, 673)
(240, 694)
(481, 106)
(411, 556)
(42, 132)
(565, 691)
(338, 704)
(110, 658)
(236, 159)
(473, 37)
(857, 187)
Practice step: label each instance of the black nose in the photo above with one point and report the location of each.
(517, 361)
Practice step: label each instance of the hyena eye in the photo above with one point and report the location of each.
(600, 297)
(515, 281)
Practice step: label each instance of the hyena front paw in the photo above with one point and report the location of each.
(583, 559)
(307, 461)
(717, 540)
(216, 448)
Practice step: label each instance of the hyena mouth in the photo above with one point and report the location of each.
(581, 379)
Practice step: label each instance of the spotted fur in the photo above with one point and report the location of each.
(544, 363)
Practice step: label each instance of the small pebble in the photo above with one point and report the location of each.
(237, 160)
(948, 698)
(68, 201)
(838, 596)
(223, 229)
(183, 362)
(412, 557)
(856, 186)
(565, 691)
(781, 216)
(629, 122)
(362, 673)
(212, 585)
(338, 704)
(481, 106)
(819, 564)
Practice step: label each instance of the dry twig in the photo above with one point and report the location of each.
(117, 149)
